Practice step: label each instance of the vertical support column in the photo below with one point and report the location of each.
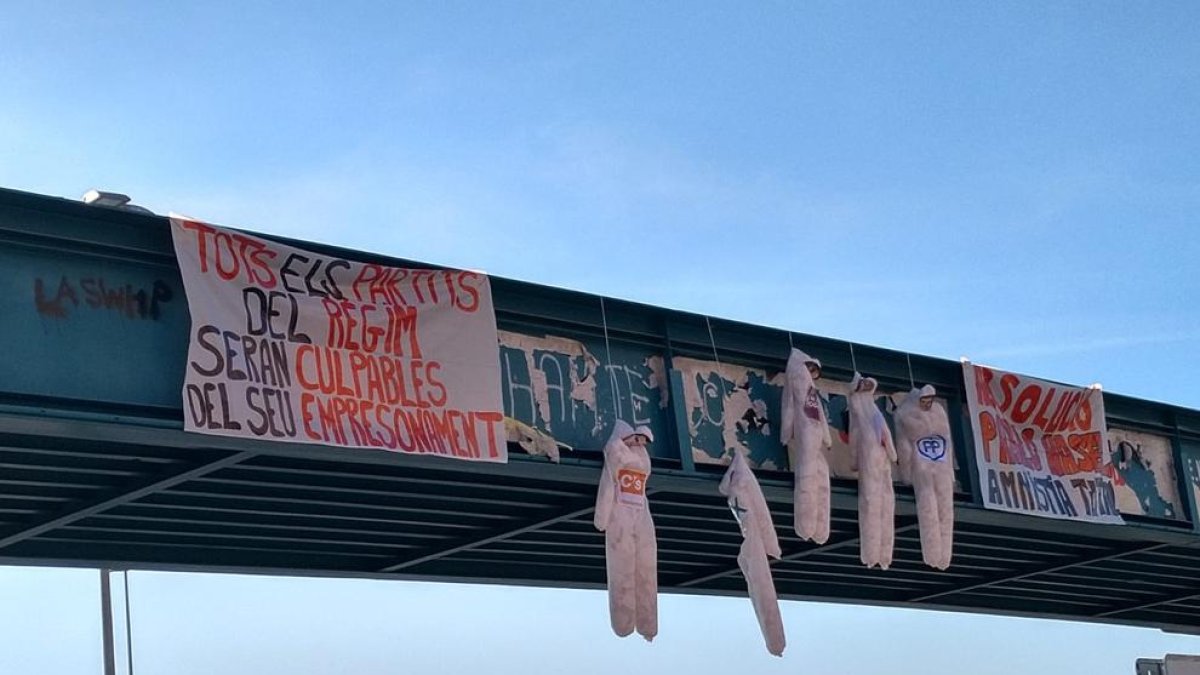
(106, 621)
(1183, 478)
(128, 624)
(679, 415)
(677, 422)
(964, 438)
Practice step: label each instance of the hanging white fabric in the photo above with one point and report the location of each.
(873, 454)
(804, 429)
(759, 541)
(623, 515)
(927, 463)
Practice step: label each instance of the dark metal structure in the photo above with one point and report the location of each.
(95, 469)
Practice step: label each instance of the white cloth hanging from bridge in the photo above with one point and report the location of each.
(873, 453)
(927, 463)
(759, 540)
(804, 429)
(631, 550)
(532, 440)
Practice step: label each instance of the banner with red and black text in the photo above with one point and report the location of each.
(1040, 446)
(291, 345)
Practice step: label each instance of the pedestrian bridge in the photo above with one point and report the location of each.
(95, 469)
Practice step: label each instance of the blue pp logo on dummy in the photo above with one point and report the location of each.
(932, 448)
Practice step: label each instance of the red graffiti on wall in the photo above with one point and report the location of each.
(57, 301)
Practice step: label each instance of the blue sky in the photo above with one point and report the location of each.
(1014, 182)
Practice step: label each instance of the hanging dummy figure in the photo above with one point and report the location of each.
(758, 541)
(805, 431)
(623, 515)
(873, 454)
(927, 463)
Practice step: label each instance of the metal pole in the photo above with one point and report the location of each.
(128, 627)
(106, 619)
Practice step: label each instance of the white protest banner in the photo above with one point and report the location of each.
(1040, 446)
(290, 345)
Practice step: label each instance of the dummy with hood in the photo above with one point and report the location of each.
(873, 454)
(631, 550)
(759, 540)
(927, 463)
(804, 429)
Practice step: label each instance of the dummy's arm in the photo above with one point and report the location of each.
(905, 450)
(832, 387)
(853, 455)
(786, 422)
(604, 498)
(889, 444)
(944, 422)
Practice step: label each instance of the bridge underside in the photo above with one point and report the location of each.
(100, 493)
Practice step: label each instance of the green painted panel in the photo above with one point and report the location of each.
(1190, 452)
(90, 327)
(1143, 474)
(565, 388)
(731, 406)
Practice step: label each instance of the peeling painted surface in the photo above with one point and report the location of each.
(1191, 467)
(659, 379)
(1145, 479)
(730, 406)
(562, 387)
(559, 369)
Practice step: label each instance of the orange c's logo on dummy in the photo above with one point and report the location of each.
(631, 486)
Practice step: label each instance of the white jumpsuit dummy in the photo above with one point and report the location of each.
(927, 463)
(758, 541)
(805, 431)
(623, 515)
(873, 453)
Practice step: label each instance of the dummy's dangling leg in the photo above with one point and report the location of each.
(868, 530)
(823, 497)
(945, 506)
(807, 513)
(647, 579)
(801, 511)
(622, 578)
(756, 569)
(887, 524)
(929, 522)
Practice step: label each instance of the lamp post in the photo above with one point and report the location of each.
(106, 620)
